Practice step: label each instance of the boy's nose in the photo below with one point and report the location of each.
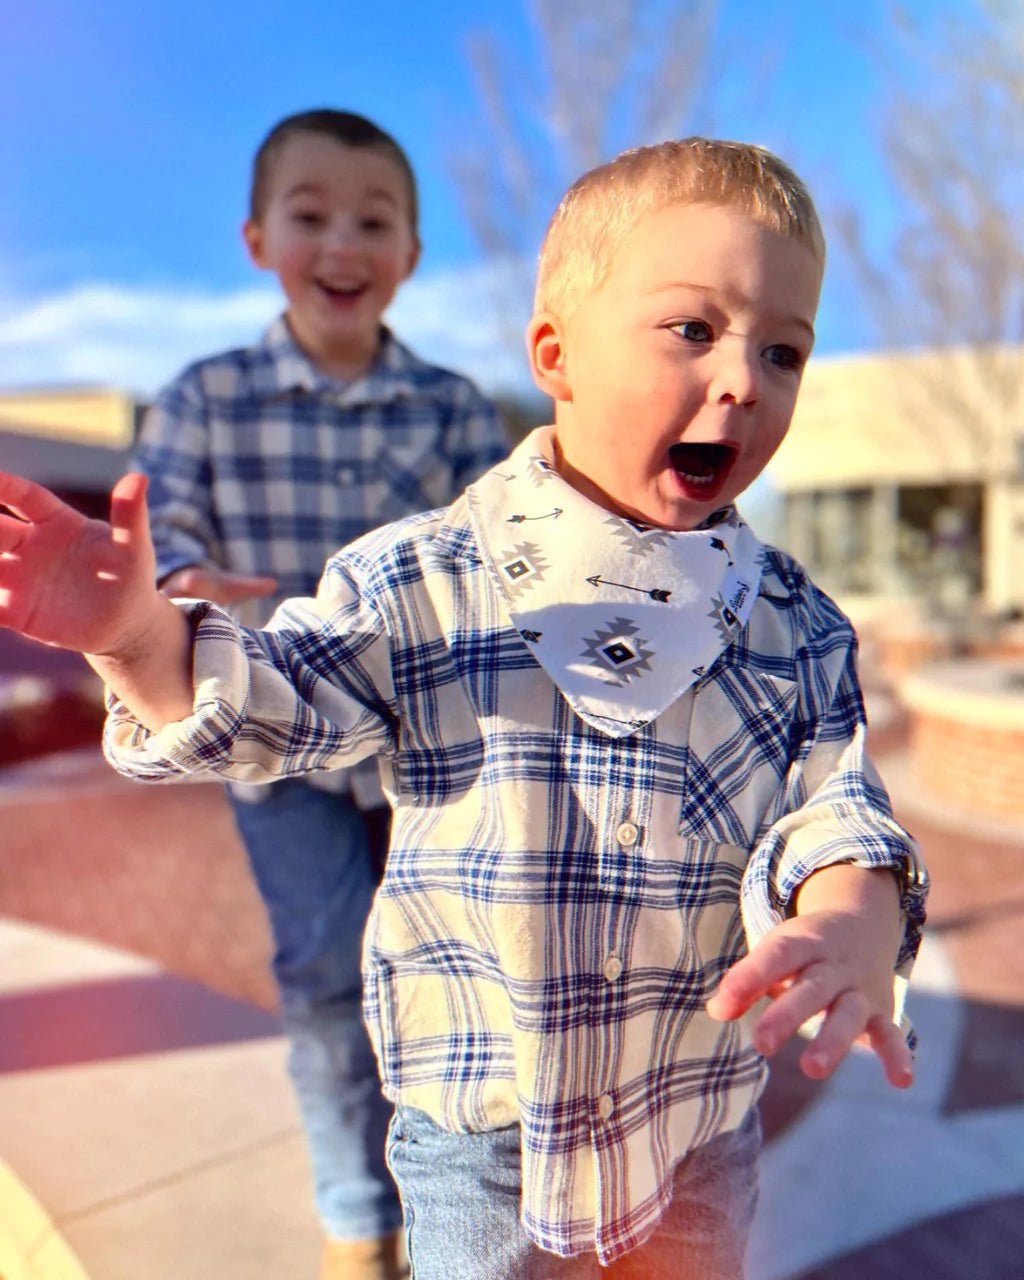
(735, 379)
(341, 236)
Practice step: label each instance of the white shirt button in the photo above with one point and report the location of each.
(627, 834)
(605, 1106)
(346, 475)
(612, 968)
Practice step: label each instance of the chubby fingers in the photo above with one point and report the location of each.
(29, 501)
(222, 588)
(891, 1049)
(801, 984)
(12, 533)
(790, 968)
(768, 970)
(129, 519)
(256, 587)
(846, 1023)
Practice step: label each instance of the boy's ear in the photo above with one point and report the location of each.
(545, 349)
(252, 234)
(414, 257)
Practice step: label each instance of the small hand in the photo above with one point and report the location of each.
(70, 581)
(836, 962)
(222, 588)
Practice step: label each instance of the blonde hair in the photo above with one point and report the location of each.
(607, 202)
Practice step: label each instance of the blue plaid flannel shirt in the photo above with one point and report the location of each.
(558, 905)
(260, 464)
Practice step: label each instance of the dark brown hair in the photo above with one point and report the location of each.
(346, 127)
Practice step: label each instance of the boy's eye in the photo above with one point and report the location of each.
(784, 356)
(307, 218)
(694, 330)
(376, 224)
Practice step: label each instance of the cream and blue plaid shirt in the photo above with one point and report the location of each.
(260, 464)
(559, 902)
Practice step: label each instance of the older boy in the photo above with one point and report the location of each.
(262, 462)
(623, 742)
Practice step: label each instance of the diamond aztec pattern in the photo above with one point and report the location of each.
(622, 615)
(523, 566)
(619, 653)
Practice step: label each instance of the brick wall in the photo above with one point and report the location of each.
(967, 735)
(901, 652)
(969, 766)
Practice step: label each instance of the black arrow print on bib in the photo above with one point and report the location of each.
(550, 515)
(719, 545)
(656, 593)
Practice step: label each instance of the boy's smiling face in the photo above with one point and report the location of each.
(676, 378)
(336, 231)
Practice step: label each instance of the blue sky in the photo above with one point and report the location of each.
(126, 132)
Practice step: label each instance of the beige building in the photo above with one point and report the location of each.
(903, 476)
(86, 415)
(74, 440)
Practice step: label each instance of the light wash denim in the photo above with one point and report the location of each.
(461, 1196)
(315, 863)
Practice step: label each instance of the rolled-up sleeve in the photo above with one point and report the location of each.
(834, 809)
(311, 692)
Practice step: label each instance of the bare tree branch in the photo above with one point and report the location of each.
(953, 274)
(607, 74)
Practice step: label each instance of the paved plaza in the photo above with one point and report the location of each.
(147, 1131)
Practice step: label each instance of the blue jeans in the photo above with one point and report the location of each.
(316, 859)
(461, 1196)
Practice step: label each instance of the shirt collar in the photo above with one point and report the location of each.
(775, 585)
(286, 369)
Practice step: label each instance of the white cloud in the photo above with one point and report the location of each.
(122, 335)
(470, 319)
(137, 338)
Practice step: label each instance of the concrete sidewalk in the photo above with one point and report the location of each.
(146, 1120)
(151, 1126)
(147, 1125)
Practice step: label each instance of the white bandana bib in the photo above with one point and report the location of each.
(622, 616)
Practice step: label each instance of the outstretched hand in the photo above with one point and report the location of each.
(70, 581)
(835, 959)
(204, 583)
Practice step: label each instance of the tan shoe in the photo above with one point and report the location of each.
(382, 1259)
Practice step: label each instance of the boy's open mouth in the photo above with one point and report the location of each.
(342, 293)
(701, 469)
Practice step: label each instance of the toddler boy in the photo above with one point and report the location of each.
(261, 463)
(622, 740)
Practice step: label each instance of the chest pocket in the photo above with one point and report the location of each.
(411, 471)
(739, 750)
